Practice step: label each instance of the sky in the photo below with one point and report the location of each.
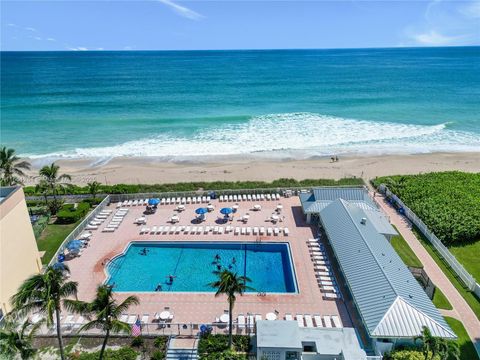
(227, 24)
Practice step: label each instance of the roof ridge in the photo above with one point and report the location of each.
(344, 204)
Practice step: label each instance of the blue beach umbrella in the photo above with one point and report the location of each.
(59, 266)
(201, 211)
(153, 201)
(74, 245)
(226, 211)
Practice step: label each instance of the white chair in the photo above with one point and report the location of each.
(286, 231)
(255, 230)
(318, 320)
(241, 321)
(207, 229)
(220, 198)
(166, 229)
(244, 197)
(194, 230)
(243, 231)
(187, 230)
(154, 230)
(300, 320)
(230, 198)
(237, 231)
(336, 321)
(309, 321)
(199, 230)
(248, 230)
(275, 231)
(288, 317)
(215, 230)
(159, 229)
(269, 231)
(328, 322)
(172, 229)
(262, 230)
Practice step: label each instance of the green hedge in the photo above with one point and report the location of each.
(447, 202)
(68, 214)
(124, 353)
(194, 186)
(216, 344)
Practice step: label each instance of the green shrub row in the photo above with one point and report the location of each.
(70, 214)
(215, 344)
(194, 186)
(447, 202)
(124, 353)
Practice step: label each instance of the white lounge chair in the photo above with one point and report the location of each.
(336, 321)
(166, 229)
(248, 230)
(132, 319)
(173, 229)
(194, 230)
(243, 231)
(145, 319)
(318, 320)
(328, 322)
(241, 321)
(300, 320)
(288, 317)
(199, 230)
(286, 231)
(262, 230)
(255, 231)
(249, 197)
(276, 231)
(244, 197)
(187, 230)
(269, 231)
(331, 296)
(154, 230)
(258, 317)
(237, 231)
(207, 229)
(159, 229)
(309, 321)
(215, 230)
(254, 197)
(220, 229)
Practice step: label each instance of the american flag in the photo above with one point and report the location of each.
(137, 328)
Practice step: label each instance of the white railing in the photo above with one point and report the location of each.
(446, 255)
(80, 228)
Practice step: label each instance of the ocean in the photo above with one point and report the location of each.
(187, 105)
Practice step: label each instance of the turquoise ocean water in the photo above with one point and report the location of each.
(295, 103)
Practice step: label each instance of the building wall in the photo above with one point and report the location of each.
(19, 257)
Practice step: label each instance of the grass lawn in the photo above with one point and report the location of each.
(467, 255)
(52, 237)
(440, 301)
(466, 346)
(469, 297)
(405, 252)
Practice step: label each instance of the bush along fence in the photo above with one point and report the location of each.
(80, 228)
(442, 250)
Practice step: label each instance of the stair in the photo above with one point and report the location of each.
(182, 349)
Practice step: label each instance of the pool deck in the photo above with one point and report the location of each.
(88, 269)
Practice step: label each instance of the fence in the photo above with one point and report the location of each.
(80, 228)
(446, 255)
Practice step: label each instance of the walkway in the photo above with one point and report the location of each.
(461, 310)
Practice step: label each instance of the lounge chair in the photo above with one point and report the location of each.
(166, 229)
(288, 317)
(172, 229)
(159, 230)
(331, 296)
(189, 200)
(336, 321)
(268, 197)
(187, 230)
(220, 229)
(286, 231)
(68, 323)
(228, 229)
(244, 197)
(250, 321)
(328, 321)
(255, 231)
(184, 200)
(135, 202)
(276, 231)
(258, 317)
(207, 229)
(132, 319)
(143, 230)
(241, 321)
(262, 230)
(230, 197)
(248, 230)
(300, 320)
(199, 230)
(215, 230)
(318, 321)
(243, 231)
(145, 319)
(262, 196)
(249, 197)
(254, 197)
(309, 321)
(108, 229)
(162, 202)
(237, 231)
(269, 231)
(154, 230)
(193, 230)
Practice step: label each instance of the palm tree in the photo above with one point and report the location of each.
(44, 293)
(230, 284)
(93, 188)
(104, 312)
(52, 181)
(430, 343)
(11, 167)
(15, 340)
(448, 349)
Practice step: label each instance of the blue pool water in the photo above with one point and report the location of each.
(269, 266)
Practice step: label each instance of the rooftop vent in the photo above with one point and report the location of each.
(363, 221)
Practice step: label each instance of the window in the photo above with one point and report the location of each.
(292, 355)
(270, 355)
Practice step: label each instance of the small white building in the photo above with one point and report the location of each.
(285, 340)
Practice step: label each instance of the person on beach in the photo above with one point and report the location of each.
(144, 252)
(159, 287)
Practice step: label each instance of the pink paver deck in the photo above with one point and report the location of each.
(199, 308)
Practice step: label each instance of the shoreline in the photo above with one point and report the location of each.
(138, 170)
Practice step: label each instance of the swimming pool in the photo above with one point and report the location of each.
(191, 264)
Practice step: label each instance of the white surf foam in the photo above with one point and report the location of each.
(298, 135)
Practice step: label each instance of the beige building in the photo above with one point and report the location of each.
(19, 257)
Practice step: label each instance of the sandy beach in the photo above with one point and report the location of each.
(151, 170)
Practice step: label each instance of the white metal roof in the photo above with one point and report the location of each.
(390, 301)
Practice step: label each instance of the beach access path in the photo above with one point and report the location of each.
(461, 310)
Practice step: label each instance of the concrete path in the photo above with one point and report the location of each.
(461, 310)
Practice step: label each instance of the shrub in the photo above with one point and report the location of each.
(224, 355)
(160, 342)
(158, 355)
(124, 353)
(93, 201)
(408, 354)
(54, 205)
(69, 214)
(447, 202)
(137, 341)
(211, 344)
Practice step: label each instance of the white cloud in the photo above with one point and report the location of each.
(38, 38)
(127, 48)
(433, 38)
(11, 25)
(100, 48)
(471, 10)
(182, 10)
(51, 39)
(31, 29)
(78, 48)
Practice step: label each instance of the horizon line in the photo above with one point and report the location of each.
(250, 49)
